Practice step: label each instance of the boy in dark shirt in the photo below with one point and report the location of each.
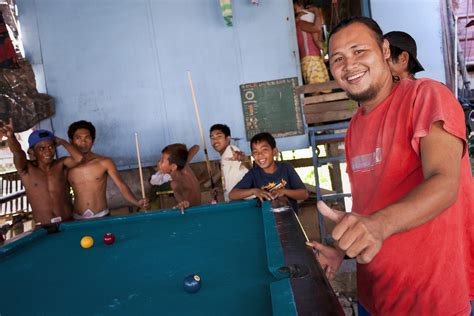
(269, 180)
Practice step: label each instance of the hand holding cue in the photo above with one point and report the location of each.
(140, 171)
(198, 117)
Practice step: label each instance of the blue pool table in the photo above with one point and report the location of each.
(251, 260)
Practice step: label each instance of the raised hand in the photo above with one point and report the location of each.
(360, 237)
(237, 155)
(6, 129)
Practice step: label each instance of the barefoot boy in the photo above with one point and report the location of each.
(184, 183)
(269, 180)
(89, 179)
(45, 177)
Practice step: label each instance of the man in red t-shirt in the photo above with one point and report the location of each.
(411, 223)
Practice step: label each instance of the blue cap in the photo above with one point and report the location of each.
(39, 136)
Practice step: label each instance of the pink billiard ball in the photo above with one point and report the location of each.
(109, 238)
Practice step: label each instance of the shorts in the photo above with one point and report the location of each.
(314, 70)
(88, 214)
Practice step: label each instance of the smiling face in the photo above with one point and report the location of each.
(359, 64)
(263, 154)
(82, 139)
(44, 151)
(219, 141)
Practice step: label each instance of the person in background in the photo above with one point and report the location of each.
(310, 39)
(232, 166)
(403, 61)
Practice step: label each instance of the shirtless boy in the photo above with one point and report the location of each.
(89, 179)
(44, 178)
(185, 185)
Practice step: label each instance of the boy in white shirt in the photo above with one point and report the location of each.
(232, 167)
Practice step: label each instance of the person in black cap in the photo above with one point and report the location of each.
(403, 62)
(44, 178)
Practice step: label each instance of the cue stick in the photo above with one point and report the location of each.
(315, 251)
(140, 171)
(198, 117)
(301, 226)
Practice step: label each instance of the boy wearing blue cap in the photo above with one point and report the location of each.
(44, 178)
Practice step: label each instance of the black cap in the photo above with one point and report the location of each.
(406, 43)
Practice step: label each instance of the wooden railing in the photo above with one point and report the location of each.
(326, 107)
(12, 195)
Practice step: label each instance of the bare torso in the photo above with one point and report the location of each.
(47, 191)
(89, 183)
(186, 186)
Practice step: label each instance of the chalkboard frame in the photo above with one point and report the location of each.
(251, 104)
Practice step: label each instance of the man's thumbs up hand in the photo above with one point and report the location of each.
(329, 213)
(359, 236)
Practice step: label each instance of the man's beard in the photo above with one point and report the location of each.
(366, 95)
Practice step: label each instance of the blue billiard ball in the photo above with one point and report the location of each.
(192, 283)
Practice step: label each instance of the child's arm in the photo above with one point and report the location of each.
(75, 157)
(315, 27)
(296, 194)
(180, 194)
(122, 186)
(296, 188)
(247, 187)
(239, 194)
(192, 152)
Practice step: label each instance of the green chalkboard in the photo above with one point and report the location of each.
(272, 106)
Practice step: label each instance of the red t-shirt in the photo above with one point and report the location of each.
(424, 271)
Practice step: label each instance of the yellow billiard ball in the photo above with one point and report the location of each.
(87, 242)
